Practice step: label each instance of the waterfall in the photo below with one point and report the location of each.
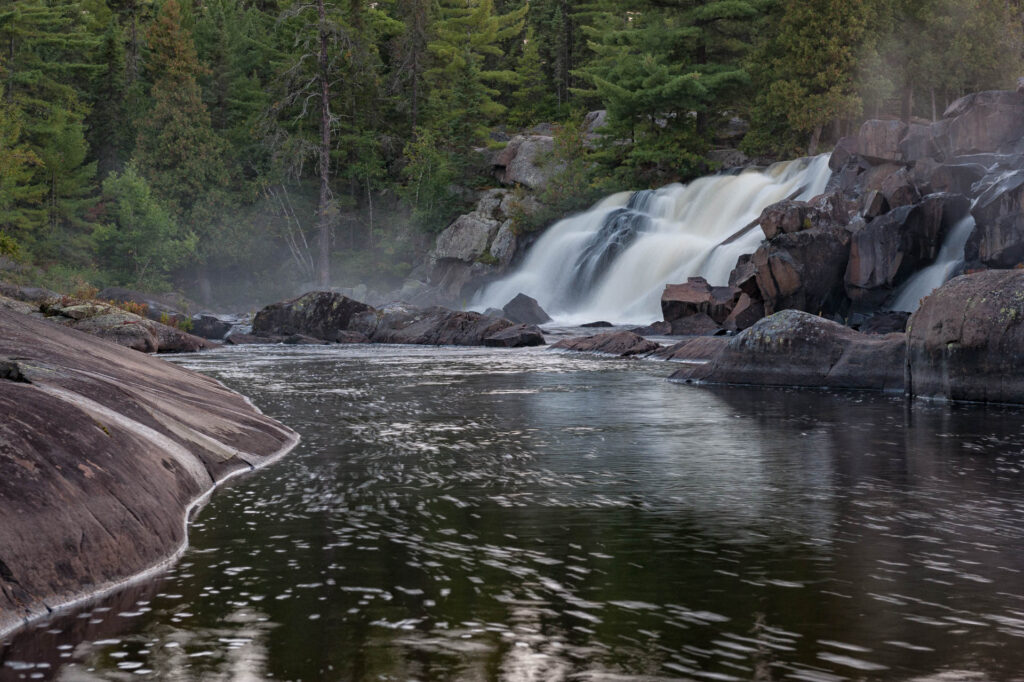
(613, 261)
(947, 263)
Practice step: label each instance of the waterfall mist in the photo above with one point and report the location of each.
(613, 261)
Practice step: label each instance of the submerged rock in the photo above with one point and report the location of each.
(525, 310)
(107, 451)
(966, 341)
(623, 344)
(517, 336)
(793, 348)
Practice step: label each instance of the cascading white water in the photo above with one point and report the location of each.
(949, 260)
(613, 261)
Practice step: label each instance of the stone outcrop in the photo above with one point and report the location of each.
(324, 316)
(526, 310)
(804, 270)
(998, 237)
(679, 302)
(524, 161)
(319, 314)
(793, 348)
(621, 344)
(102, 453)
(966, 341)
(110, 322)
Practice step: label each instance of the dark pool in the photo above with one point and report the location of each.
(529, 515)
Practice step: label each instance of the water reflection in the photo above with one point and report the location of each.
(481, 515)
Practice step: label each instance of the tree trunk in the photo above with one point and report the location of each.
(907, 108)
(324, 266)
(812, 147)
(935, 112)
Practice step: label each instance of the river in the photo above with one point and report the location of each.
(472, 514)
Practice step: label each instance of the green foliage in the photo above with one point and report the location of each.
(140, 243)
(429, 173)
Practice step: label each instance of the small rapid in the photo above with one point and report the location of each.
(613, 261)
(947, 264)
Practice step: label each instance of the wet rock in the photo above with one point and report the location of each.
(966, 341)
(784, 217)
(111, 449)
(680, 301)
(899, 189)
(700, 349)
(874, 204)
(516, 336)
(998, 237)
(879, 141)
(237, 339)
(793, 348)
(698, 324)
(892, 247)
(494, 312)
(526, 310)
(319, 314)
(210, 327)
(746, 313)
(660, 328)
(623, 344)
(436, 326)
(744, 276)
(956, 178)
(302, 340)
(893, 321)
(804, 270)
(844, 152)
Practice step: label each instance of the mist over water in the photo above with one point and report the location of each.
(613, 261)
(475, 514)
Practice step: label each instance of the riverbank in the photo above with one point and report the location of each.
(105, 453)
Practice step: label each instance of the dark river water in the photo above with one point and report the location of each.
(528, 515)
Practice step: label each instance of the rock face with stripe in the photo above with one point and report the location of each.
(103, 450)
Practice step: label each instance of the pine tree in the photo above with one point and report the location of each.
(47, 71)
(465, 50)
(110, 132)
(17, 161)
(177, 151)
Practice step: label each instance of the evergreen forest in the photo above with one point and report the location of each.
(226, 143)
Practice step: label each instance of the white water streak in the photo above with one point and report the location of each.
(683, 238)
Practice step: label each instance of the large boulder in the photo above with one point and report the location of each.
(525, 310)
(516, 336)
(505, 243)
(998, 237)
(695, 296)
(398, 323)
(890, 248)
(879, 141)
(789, 216)
(803, 271)
(526, 161)
(966, 341)
(103, 452)
(319, 314)
(466, 239)
(983, 122)
(793, 348)
(622, 344)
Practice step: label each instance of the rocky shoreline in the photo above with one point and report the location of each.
(104, 453)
